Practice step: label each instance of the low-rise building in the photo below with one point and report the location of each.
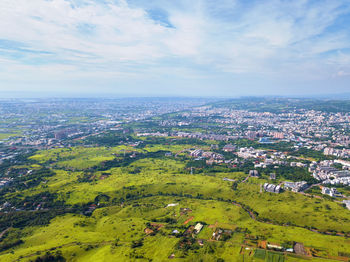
(229, 148)
(296, 186)
(198, 228)
(333, 192)
(254, 173)
(347, 203)
(272, 188)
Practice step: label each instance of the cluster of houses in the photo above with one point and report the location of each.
(272, 188)
(198, 135)
(229, 148)
(211, 157)
(338, 181)
(263, 158)
(251, 152)
(347, 203)
(298, 164)
(5, 206)
(5, 181)
(220, 234)
(269, 161)
(331, 175)
(153, 134)
(343, 153)
(296, 186)
(333, 192)
(196, 153)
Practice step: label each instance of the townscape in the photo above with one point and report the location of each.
(157, 179)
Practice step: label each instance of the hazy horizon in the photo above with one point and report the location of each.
(42, 95)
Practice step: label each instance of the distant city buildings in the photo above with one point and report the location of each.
(251, 135)
(229, 148)
(278, 135)
(344, 153)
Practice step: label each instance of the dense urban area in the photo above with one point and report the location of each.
(178, 179)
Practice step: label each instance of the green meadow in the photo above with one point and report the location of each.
(134, 195)
(4, 136)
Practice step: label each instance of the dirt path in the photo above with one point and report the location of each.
(4, 232)
(246, 179)
(188, 220)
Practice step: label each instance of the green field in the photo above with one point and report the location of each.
(4, 136)
(135, 194)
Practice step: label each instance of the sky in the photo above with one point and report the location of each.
(224, 48)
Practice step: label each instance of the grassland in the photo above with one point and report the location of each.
(73, 234)
(131, 197)
(4, 136)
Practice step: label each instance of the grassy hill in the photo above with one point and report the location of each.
(111, 204)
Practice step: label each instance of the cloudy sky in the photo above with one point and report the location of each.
(175, 47)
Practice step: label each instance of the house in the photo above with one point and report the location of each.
(148, 231)
(229, 148)
(333, 192)
(296, 186)
(254, 173)
(198, 228)
(214, 147)
(272, 188)
(274, 246)
(196, 153)
(172, 205)
(347, 203)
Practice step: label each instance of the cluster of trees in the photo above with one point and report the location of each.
(317, 155)
(20, 159)
(9, 243)
(290, 173)
(22, 219)
(46, 199)
(32, 179)
(109, 139)
(51, 257)
(137, 243)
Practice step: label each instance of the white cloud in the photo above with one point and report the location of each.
(119, 32)
(342, 73)
(117, 39)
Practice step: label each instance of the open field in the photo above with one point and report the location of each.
(111, 231)
(127, 199)
(7, 135)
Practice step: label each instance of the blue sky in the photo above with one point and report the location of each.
(175, 47)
